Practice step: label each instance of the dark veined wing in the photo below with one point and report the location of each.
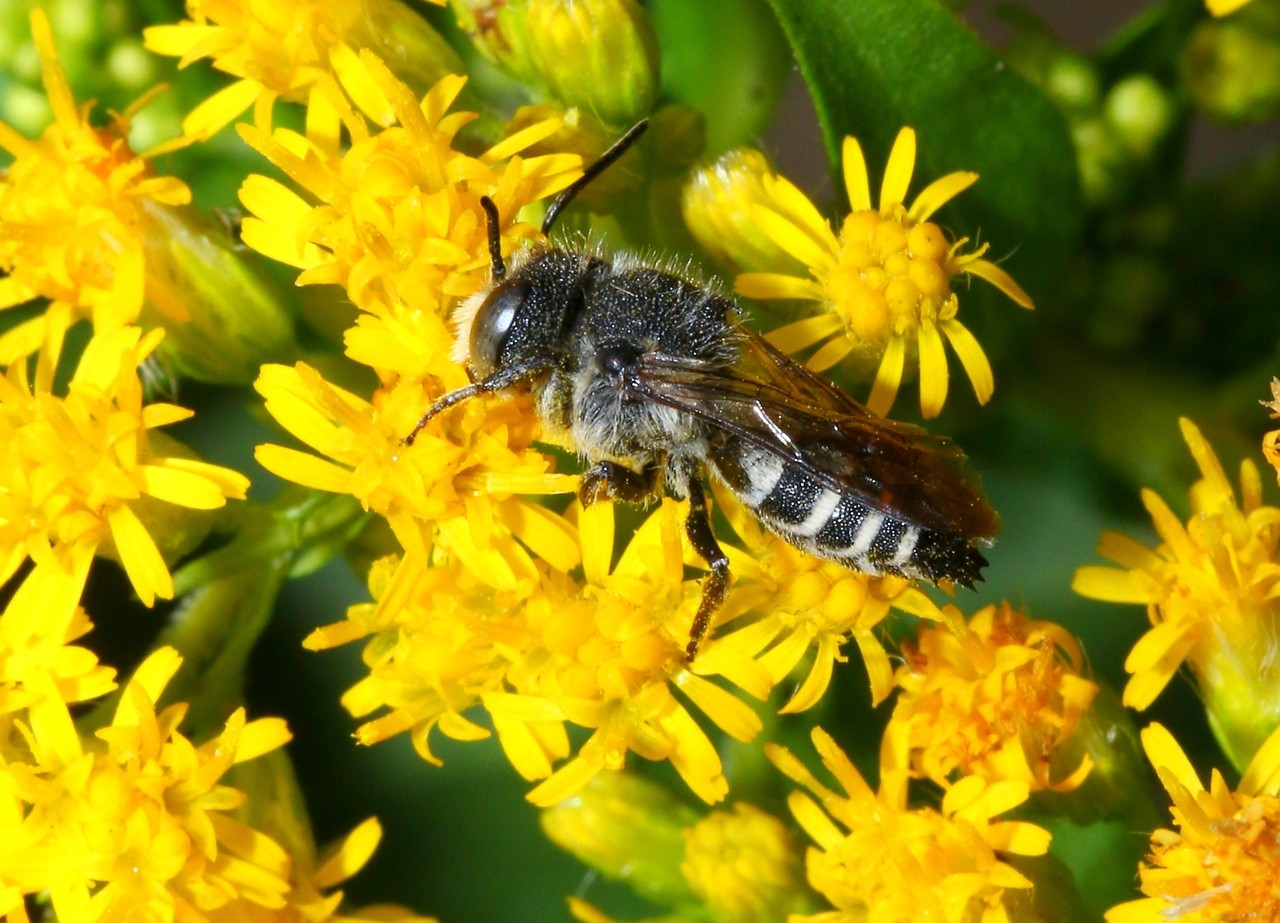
(773, 403)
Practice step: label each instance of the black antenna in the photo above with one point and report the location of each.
(499, 268)
(606, 160)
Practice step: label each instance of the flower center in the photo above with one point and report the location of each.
(890, 275)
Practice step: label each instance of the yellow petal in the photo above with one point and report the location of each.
(789, 201)
(1020, 838)
(56, 86)
(856, 182)
(524, 138)
(547, 534)
(1163, 752)
(522, 747)
(232, 484)
(818, 679)
(139, 556)
(595, 525)
(793, 239)
(766, 286)
(1142, 688)
(934, 375)
(879, 669)
(731, 714)
(303, 468)
(694, 756)
(152, 675)
(804, 333)
(1128, 553)
(222, 108)
(985, 269)
(1155, 645)
(1223, 7)
(360, 86)
(888, 377)
(261, 736)
(1108, 584)
(939, 193)
(972, 358)
(180, 488)
(351, 856)
(176, 40)
(1262, 775)
(565, 781)
(830, 354)
(897, 174)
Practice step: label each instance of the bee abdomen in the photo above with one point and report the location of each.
(838, 526)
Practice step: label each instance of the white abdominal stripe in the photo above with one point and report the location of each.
(838, 526)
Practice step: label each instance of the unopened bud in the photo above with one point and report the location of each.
(601, 55)
(221, 320)
(1141, 112)
(1232, 68)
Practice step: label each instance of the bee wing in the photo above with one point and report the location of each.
(780, 407)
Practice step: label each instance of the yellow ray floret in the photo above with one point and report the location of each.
(78, 468)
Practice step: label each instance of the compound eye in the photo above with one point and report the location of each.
(493, 323)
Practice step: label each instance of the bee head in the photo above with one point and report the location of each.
(491, 327)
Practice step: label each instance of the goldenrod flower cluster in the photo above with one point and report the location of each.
(388, 185)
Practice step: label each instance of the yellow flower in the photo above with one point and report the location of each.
(1271, 441)
(311, 878)
(1210, 589)
(76, 471)
(878, 859)
(74, 215)
(883, 281)
(399, 223)
(792, 602)
(137, 822)
(464, 483)
(1222, 862)
(301, 51)
(604, 652)
(1223, 7)
(999, 698)
(37, 656)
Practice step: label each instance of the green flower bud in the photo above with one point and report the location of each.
(1072, 82)
(1118, 786)
(415, 52)
(600, 55)
(500, 32)
(746, 866)
(1232, 68)
(1103, 165)
(221, 321)
(628, 829)
(130, 65)
(717, 203)
(1141, 111)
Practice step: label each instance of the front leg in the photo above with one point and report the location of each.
(698, 525)
(606, 480)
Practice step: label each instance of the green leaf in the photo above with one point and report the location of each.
(724, 58)
(874, 66)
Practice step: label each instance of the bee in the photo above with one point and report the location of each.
(656, 382)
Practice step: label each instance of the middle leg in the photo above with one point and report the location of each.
(698, 526)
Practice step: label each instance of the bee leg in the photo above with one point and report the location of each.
(503, 378)
(698, 525)
(606, 480)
